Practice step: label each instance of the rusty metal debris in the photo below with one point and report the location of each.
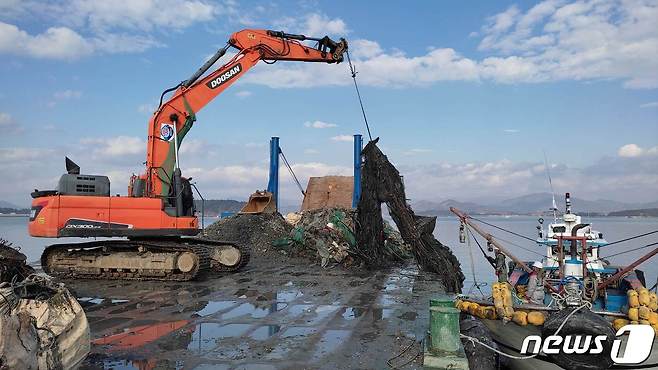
(381, 183)
(42, 324)
(12, 263)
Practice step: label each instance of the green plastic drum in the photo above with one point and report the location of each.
(442, 301)
(444, 326)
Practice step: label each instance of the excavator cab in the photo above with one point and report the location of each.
(259, 202)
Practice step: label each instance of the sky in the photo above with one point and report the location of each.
(465, 96)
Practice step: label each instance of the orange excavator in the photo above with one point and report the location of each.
(158, 216)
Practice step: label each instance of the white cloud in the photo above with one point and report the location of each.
(85, 27)
(553, 41)
(343, 138)
(243, 94)
(23, 155)
(313, 25)
(67, 94)
(146, 108)
(652, 104)
(319, 25)
(115, 146)
(364, 49)
(230, 175)
(311, 151)
(8, 124)
(511, 130)
(194, 146)
(630, 150)
(417, 151)
(64, 43)
(319, 124)
(583, 40)
(634, 150)
(54, 43)
(253, 145)
(142, 15)
(618, 178)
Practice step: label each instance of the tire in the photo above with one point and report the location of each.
(583, 322)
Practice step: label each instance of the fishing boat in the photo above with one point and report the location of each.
(570, 309)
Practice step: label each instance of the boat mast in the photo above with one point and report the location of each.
(550, 183)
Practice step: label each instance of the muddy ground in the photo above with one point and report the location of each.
(269, 316)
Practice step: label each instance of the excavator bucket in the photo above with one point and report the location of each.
(259, 202)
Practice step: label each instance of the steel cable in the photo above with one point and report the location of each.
(358, 94)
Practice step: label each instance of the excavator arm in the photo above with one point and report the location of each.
(175, 116)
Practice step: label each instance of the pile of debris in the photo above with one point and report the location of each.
(42, 324)
(327, 235)
(254, 231)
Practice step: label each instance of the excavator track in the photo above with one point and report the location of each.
(176, 259)
(245, 256)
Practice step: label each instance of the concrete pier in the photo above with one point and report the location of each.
(272, 315)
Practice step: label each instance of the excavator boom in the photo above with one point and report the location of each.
(193, 94)
(159, 210)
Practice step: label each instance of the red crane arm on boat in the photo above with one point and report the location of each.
(628, 268)
(466, 219)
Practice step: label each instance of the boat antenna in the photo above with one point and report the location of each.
(550, 183)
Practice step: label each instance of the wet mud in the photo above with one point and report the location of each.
(266, 317)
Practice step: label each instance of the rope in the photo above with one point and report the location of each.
(628, 251)
(358, 94)
(483, 252)
(292, 173)
(475, 340)
(524, 248)
(470, 252)
(505, 230)
(389, 361)
(631, 238)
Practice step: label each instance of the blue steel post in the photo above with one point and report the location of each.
(358, 146)
(273, 184)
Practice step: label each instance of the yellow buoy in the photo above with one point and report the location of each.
(520, 318)
(490, 313)
(507, 299)
(644, 297)
(509, 312)
(633, 299)
(619, 323)
(633, 322)
(645, 322)
(481, 312)
(536, 318)
(653, 318)
(643, 312)
(633, 314)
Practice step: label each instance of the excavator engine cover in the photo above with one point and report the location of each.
(259, 202)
